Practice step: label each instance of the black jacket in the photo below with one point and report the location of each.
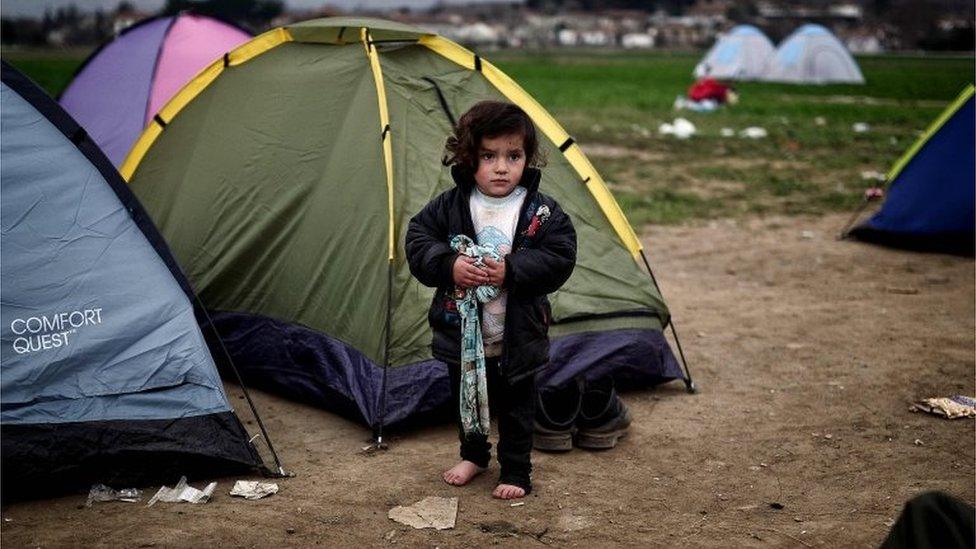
(541, 261)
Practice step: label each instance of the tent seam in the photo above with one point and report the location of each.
(155, 71)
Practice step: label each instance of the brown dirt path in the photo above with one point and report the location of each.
(807, 351)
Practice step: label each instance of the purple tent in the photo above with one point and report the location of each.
(124, 83)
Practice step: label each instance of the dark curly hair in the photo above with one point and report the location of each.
(490, 119)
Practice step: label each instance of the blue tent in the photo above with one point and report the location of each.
(742, 54)
(104, 373)
(929, 203)
(813, 55)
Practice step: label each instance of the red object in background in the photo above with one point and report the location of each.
(873, 193)
(708, 88)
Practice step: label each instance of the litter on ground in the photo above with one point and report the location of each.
(252, 489)
(183, 492)
(861, 127)
(873, 193)
(727, 132)
(705, 105)
(753, 132)
(953, 407)
(100, 492)
(871, 174)
(430, 512)
(680, 128)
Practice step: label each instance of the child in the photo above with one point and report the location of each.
(494, 211)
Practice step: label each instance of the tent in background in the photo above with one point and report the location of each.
(284, 177)
(813, 55)
(929, 203)
(125, 82)
(741, 54)
(105, 375)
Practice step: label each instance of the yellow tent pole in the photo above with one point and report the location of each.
(374, 63)
(934, 127)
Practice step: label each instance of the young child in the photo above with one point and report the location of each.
(492, 244)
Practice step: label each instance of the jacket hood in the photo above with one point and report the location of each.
(464, 179)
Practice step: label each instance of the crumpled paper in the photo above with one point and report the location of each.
(252, 489)
(100, 492)
(183, 492)
(430, 512)
(954, 407)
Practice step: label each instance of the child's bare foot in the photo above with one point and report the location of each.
(462, 473)
(508, 491)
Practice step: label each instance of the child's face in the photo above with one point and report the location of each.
(500, 163)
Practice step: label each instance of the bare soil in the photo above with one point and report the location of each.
(807, 352)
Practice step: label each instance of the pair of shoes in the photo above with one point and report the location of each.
(604, 419)
(589, 415)
(556, 411)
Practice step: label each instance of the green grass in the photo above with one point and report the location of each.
(809, 164)
(51, 69)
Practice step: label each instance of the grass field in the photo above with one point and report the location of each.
(613, 103)
(619, 101)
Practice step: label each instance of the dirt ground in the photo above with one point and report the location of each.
(807, 352)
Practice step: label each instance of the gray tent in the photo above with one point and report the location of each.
(813, 55)
(741, 54)
(104, 373)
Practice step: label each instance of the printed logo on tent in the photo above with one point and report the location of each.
(46, 332)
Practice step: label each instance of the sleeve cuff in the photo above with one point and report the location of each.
(447, 270)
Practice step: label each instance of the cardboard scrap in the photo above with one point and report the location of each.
(252, 489)
(430, 512)
(953, 407)
(183, 492)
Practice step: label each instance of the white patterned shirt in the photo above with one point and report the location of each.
(495, 220)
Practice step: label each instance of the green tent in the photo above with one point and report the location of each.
(284, 175)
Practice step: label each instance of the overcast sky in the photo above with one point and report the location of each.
(35, 8)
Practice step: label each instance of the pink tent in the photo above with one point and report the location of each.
(125, 82)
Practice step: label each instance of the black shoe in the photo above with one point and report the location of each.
(555, 418)
(603, 418)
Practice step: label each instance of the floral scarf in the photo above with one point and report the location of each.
(474, 380)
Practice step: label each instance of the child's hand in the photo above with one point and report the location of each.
(496, 272)
(467, 274)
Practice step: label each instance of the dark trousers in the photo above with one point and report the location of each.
(513, 407)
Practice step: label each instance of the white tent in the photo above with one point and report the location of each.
(813, 55)
(742, 54)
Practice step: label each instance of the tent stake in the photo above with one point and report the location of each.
(689, 384)
(378, 430)
(854, 217)
(240, 381)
